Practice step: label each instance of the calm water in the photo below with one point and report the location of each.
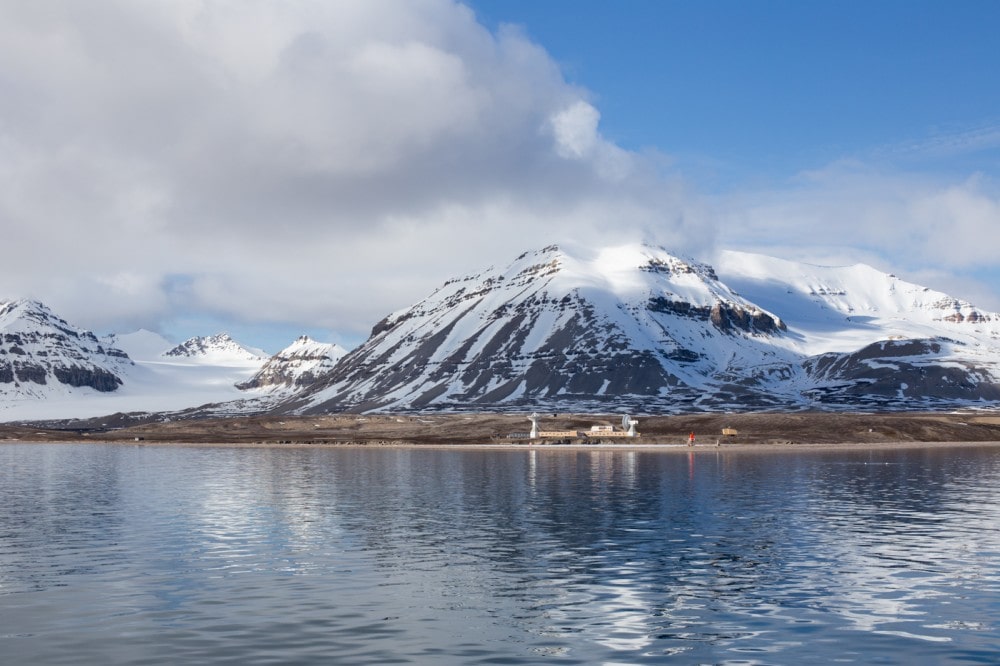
(145, 555)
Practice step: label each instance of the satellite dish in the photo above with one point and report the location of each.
(534, 424)
(625, 421)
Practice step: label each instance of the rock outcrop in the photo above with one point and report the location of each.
(41, 354)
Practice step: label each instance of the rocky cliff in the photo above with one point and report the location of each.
(42, 355)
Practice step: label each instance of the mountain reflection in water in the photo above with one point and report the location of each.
(119, 554)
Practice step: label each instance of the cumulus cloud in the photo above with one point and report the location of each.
(927, 226)
(320, 164)
(301, 161)
(926, 218)
(576, 130)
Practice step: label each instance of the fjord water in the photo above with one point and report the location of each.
(156, 555)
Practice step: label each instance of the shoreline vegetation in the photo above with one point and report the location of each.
(754, 431)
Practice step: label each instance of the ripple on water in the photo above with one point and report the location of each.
(155, 555)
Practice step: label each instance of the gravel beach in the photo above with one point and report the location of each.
(753, 431)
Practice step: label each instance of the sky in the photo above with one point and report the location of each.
(272, 169)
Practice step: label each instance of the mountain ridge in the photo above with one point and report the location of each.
(587, 329)
(636, 327)
(42, 355)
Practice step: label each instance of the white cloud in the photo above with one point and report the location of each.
(577, 138)
(945, 144)
(302, 161)
(575, 129)
(927, 226)
(323, 163)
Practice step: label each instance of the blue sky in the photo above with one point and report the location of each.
(272, 169)
(771, 88)
(749, 96)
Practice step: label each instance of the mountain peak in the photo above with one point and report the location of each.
(566, 328)
(569, 327)
(27, 309)
(297, 365)
(218, 346)
(42, 355)
(583, 324)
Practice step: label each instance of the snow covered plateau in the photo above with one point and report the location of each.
(562, 328)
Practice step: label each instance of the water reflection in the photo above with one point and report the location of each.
(154, 555)
(901, 546)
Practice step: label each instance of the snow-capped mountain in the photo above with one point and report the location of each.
(614, 326)
(561, 329)
(59, 371)
(840, 308)
(219, 348)
(43, 356)
(298, 365)
(872, 338)
(635, 327)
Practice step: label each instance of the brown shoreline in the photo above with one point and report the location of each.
(756, 431)
(563, 448)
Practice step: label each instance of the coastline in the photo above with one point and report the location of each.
(698, 449)
(760, 431)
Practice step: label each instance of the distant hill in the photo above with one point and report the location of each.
(219, 348)
(296, 366)
(50, 369)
